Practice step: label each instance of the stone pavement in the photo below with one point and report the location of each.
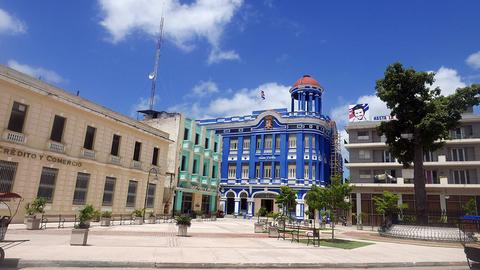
(222, 243)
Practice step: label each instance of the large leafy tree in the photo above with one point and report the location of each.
(423, 119)
(331, 198)
(287, 199)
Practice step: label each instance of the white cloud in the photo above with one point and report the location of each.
(244, 101)
(184, 23)
(10, 24)
(205, 88)
(37, 72)
(240, 102)
(473, 60)
(143, 103)
(448, 80)
(217, 56)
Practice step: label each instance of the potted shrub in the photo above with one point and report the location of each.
(151, 217)
(106, 218)
(138, 216)
(80, 231)
(259, 226)
(96, 215)
(183, 222)
(32, 209)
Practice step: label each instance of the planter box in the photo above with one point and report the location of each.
(258, 227)
(138, 221)
(79, 237)
(182, 230)
(151, 220)
(32, 223)
(105, 221)
(273, 231)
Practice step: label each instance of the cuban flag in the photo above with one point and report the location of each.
(262, 94)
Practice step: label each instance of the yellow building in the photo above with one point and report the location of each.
(74, 152)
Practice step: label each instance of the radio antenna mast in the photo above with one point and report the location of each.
(153, 75)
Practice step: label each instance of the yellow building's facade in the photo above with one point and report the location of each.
(74, 152)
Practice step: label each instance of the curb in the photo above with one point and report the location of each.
(110, 264)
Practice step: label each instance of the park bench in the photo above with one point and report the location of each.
(59, 219)
(298, 232)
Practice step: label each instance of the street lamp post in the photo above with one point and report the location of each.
(152, 170)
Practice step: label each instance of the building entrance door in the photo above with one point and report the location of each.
(267, 204)
(230, 206)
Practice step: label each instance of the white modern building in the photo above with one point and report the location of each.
(452, 172)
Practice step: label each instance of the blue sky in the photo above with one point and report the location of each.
(218, 54)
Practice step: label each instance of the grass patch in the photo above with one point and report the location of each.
(340, 243)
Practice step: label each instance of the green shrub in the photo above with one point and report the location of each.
(106, 214)
(85, 215)
(183, 220)
(138, 212)
(151, 214)
(36, 206)
(262, 212)
(96, 215)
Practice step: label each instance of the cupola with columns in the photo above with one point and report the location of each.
(306, 94)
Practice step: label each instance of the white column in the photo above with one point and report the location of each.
(250, 208)
(359, 207)
(237, 206)
(223, 205)
(298, 209)
(443, 203)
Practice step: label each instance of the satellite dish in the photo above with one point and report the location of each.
(151, 76)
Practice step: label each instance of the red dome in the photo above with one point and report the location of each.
(306, 80)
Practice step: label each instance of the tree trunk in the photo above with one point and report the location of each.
(419, 186)
(333, 225)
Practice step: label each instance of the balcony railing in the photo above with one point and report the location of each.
(195, 178)
(216, 156)
(87, 153)
(137, 164)
(207, 153)
(198, 149)
(213, 182)
(187, 145)
(184, 175)
(14, 137)
(56, 147)
(115, 159)
(204, 180)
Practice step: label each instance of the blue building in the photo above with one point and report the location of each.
(271, 148)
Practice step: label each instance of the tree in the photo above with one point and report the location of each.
(331, 198)
(313, 199)
(470, 208)
(388, 206)
(422, 120)
(287, 199)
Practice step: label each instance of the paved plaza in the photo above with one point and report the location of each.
(223, 243)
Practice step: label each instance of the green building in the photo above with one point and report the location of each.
(196, 165)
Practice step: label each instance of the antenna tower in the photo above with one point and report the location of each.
(153, 75)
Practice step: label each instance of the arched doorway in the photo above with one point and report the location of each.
(265, 200)
(243, 203)
(230, 202)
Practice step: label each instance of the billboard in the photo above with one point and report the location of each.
(358, 112)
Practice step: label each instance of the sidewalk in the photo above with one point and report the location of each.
(223, 243)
